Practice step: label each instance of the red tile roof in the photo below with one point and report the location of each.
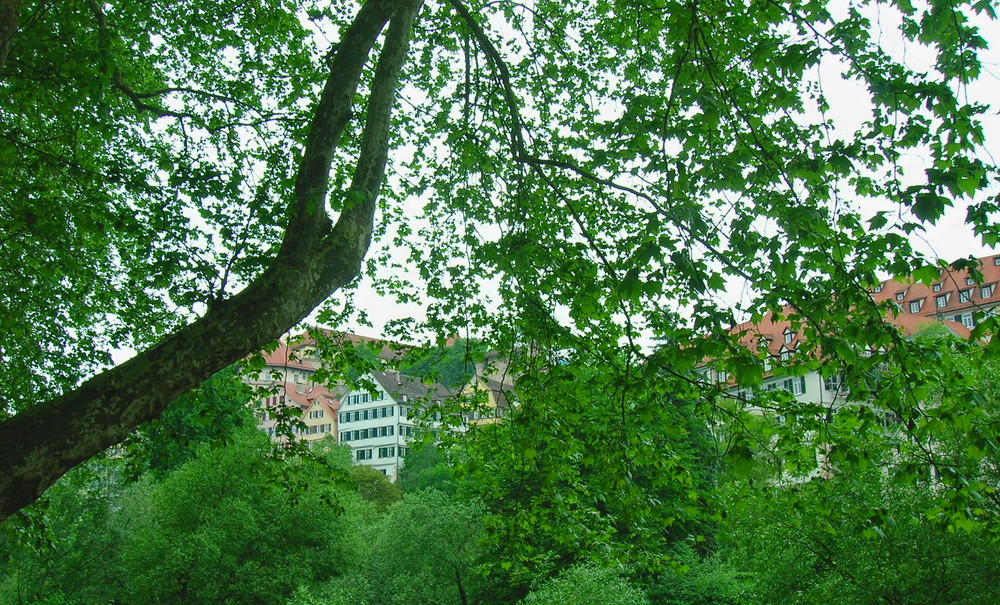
(286, 356)
(389, 351)
(954, 290)
(772, 332)
(309, 395)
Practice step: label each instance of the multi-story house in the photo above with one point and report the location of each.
(288, 379)
(378, 415)
(488, 393)
(954, 295)
(379, 418)
(955, 300)
(290, 391)
(780, 342)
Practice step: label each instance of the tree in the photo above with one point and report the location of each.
(374, 487)
(239, 525)
(608, 165)
(316, 256)
(425, 551)
(426, 467)
(859, 538)
(588, 468)
(212, 414)
(65, 548)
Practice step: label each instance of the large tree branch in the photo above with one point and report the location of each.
(308, 220)
(354, 226)
(42, 443)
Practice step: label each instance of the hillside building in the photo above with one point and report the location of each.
(955, 295)
(378, 418)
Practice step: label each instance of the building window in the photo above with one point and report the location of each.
(900, 295)
(789, 336)
(796, 386)
(363, 454)
(786, 354)
(966, 320)
(965, 296)
(345, 436)
(996, 261)
(986, 291)
(937, 287)
(835, 383)
(969, 281)
(915, 306)
(941, 301)
(877, 289)
(386, 452)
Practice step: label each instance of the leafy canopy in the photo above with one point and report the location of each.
(575, 176)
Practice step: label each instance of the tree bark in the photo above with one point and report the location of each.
(45, 441)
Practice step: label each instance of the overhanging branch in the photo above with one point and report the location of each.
(42, 443)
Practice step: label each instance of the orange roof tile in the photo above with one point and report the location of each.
(954, 291)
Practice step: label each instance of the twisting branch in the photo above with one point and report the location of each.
(354, 227)
(486, 45)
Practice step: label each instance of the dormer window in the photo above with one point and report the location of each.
(789, 336)
(900, 295)
(996, 261)
(877, 289)
(786, 354)
(965, 296)
(969, 281)
(987, 291)
(915, 306)
(937, 287)
(941, 301)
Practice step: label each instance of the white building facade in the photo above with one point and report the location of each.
(378, 424)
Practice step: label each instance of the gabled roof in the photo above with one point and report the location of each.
(910, 325)
(285, 356)
(389, 350)
(310, 395)
(949, 285)
(398, 385)
(770, 332)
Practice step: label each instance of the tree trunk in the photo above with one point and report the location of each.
(42, 443)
